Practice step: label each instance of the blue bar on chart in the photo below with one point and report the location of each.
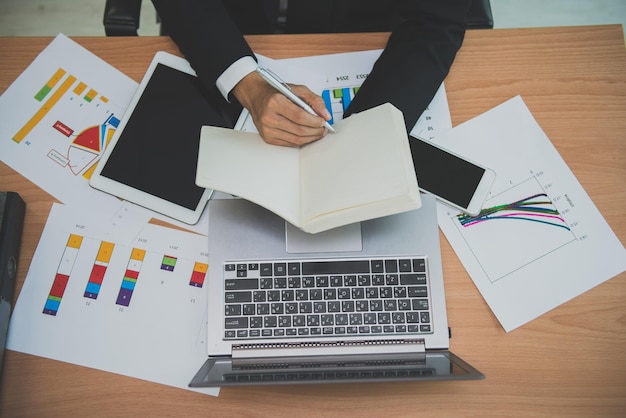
(130, 277)
(337, 101)
(99, 269)
(62, 275)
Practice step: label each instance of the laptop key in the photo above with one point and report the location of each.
(232, 310)
(235, 297)
(241, 284)
(319, 307)
(377, 266)
(420, 304)
(410, 278)
(405, 265)
(391, 266)
(236, 322)
(266, 269)
(419, 265)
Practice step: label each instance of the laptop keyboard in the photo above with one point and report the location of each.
(326, 297)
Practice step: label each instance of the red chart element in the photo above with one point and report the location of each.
(89, 138)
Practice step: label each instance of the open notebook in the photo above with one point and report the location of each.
(363, 171)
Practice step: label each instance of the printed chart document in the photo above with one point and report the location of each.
(136, 307)
(338, 78)
(539, 241)
(57, 118)
(363, 171)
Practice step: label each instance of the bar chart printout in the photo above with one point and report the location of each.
(198, 274)
(99, 269)
(512, 232)
(539, 241)
(130, 277)
(77, 248)
(168, 263)
(58, 117)
(62, 275)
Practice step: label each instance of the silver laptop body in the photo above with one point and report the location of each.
(241, 232)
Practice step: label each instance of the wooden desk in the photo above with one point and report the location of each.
(569, 361)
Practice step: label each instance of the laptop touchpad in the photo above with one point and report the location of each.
(341, 239)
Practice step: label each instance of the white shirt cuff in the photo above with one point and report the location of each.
(234, 74)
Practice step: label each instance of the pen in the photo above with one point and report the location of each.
(283, 88)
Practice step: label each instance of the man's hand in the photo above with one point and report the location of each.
(278, 119)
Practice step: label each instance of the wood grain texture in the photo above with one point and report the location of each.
(569, 361)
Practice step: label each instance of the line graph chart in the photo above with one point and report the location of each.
(540, 240)
(517, 227)
(535, 208)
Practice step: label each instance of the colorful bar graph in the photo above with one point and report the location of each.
(91, 94)
(62, 275)
(168, 263)
(130, 277)
(343, 95)
(337, 100)
(46, 107)
(198, 274)
(99, 269)
(47, 88)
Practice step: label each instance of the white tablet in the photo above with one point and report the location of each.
(152, 157)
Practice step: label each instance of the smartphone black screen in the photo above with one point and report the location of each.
(443, 174)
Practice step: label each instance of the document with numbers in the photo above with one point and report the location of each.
(136, 307)
(539, 240)
(338, 77)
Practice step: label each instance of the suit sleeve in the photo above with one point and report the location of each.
(205, 34)
(209, 40)
(416, 59)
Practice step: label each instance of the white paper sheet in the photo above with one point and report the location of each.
(543, 242)
(57, 118)
(337, 78)
(128, 300)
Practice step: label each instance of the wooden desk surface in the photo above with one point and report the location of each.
(570, 361)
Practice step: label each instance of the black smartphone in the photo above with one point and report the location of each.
(456, 181)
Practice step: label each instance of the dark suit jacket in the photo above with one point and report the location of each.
(426, 35)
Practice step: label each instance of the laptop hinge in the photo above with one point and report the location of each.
(314, 348)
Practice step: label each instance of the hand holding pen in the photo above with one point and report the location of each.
(284, 88)
(279, 120)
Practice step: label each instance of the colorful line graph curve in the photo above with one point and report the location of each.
(512, 232)
(535, 208)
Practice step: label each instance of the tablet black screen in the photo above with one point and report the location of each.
(157, 151)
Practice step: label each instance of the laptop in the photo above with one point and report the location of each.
(361, 303)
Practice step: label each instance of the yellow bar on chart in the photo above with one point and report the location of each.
(138, 254)
(105, 252)
(47, 88)
(74, 241)
(44, 109)
(80, 88)
(91, 94)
